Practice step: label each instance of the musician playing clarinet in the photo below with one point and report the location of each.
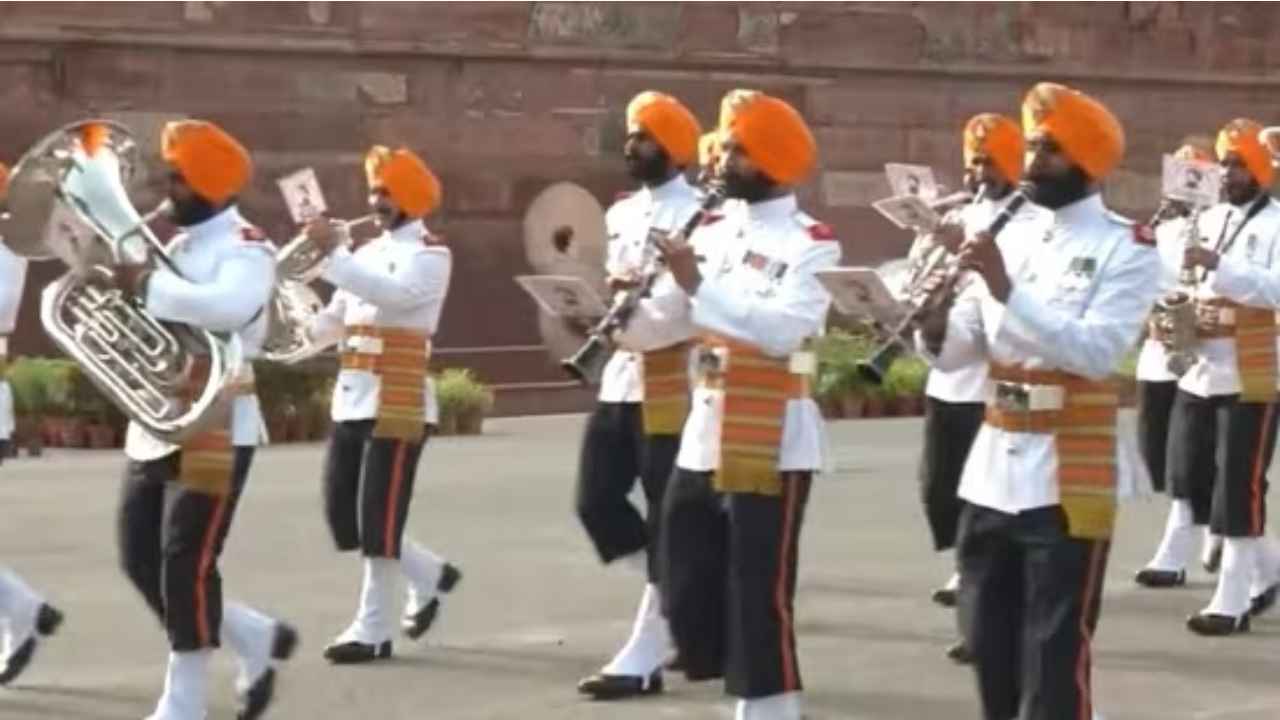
(1039, 484)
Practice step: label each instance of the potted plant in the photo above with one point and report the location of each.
(30, 403)
(905, 381)
(463, 400)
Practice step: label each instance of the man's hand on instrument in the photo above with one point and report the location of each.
(618, 283)
(131, 278)
(682, 261)
(1199, 256)
(983, 256)
(322, 234)
(950, 236)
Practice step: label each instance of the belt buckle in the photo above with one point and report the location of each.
(712, 363)
(1012, 397)
(365, 345)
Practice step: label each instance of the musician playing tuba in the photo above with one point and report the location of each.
(178, 502)
(390, 293)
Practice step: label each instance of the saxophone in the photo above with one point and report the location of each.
(1173, 320)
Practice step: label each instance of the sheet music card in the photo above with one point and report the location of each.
(563, 296)
(915, 180)
(908, 212)
(302, 195)
(861, 292)
(1195, 182)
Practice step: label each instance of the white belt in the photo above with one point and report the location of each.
(1024, 397)
(364, 344)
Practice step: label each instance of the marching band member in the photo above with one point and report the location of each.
(177, 503)
(1039, 484)
(1222, 432)
(754, 438)
(1157, 388)
(644, 397)
(24, 614)
(390, 293)
(955, 398)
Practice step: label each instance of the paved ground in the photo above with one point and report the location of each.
(536, 611)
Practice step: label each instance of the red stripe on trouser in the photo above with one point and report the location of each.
(1084, 684)
(206, 562)
(1255, 483)
(790, 681)
(393, 501)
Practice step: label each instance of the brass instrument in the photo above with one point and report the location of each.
(294, 304)
(67, 200)
(1174, 315)
(874, 368)
(587, 364)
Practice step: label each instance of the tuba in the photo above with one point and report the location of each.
(294, 304)
(67, 200)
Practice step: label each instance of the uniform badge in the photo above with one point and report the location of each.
(1080, 273)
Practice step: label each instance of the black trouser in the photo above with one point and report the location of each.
(729, 581)
(4, 449)
(615, 451)
(1219, 450)
(169, 539)
(1155, 408)
(368, 485)
(1030, 596)
(949, 430)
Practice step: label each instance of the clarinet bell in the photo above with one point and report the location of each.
(587, 364)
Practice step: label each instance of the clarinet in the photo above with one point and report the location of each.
(587, 364)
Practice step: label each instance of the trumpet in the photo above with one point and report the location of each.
(294, 304)
(587, 364)
(874, 368)
(301, 261)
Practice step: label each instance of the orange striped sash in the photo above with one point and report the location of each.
(1084, 433)
(756, 390)
(400, 362)
(666, 390)
(208, 457)
(1255, 335)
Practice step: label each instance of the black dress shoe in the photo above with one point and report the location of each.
(254, 702)
(616, 687)
(1212, 624)
(1263, 602)
(350, 653)
(958, 652)
(48, 619)
(17, 661)
(284, 642)
(946, 597)
(1213, 560)
(417, 624)
(1153, 578)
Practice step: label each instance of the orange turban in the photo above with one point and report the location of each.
(1084, 128)
(408, 180)
(212, 162)
(669, 122)
(775, 137)
(1240, 136)
(4, 181)
(997, 137)
(708, 148)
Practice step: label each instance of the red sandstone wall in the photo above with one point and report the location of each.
(505, 98)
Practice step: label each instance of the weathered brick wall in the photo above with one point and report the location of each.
(506, 98)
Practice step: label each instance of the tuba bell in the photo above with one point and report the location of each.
(67, 200)
(294, 304)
